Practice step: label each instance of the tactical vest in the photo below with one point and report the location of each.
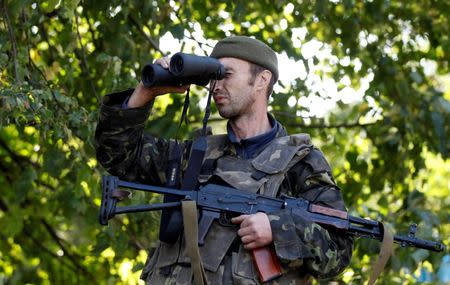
(263, 174)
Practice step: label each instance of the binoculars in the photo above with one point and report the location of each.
(184, 69)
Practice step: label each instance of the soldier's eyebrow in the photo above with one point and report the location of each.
(228, 68)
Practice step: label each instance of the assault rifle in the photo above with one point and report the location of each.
(214, 200)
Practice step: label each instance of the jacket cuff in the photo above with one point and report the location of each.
(112, 112)
(288, 245)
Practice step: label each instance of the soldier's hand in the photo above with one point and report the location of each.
(255, 230)
(143, 95)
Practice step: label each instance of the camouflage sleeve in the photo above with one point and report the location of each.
(301, 244)
(122, 147)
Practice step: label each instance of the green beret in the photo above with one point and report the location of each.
(248, 49)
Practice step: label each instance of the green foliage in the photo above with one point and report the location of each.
(389, 150)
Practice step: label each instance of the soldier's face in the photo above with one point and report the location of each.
(234, 95)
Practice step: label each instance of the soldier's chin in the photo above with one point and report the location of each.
(227, 114)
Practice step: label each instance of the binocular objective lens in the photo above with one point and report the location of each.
(177, 65)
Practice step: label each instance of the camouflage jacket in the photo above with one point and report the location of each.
(303, 247)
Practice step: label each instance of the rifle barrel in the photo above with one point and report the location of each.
(404, 241)
(419, 243)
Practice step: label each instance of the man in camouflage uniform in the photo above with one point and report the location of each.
(255, 155)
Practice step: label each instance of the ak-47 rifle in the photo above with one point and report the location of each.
(214, 199)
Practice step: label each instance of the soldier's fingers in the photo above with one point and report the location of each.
(245, 231)
(170, 89)
(164, 62)
(250, 246)
(248, 221)
(247, 239)
(238, 219)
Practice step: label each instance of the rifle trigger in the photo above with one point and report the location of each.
(225, 219)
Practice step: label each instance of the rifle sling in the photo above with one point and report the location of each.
(170, 225)
(198, 151)
(385, 253)
(171, 220)
(189, 209)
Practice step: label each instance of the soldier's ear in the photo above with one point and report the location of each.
(263, 80)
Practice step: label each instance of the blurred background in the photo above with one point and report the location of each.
(368, 80)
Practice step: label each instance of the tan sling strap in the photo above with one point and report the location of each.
(385, 253)
(190, 221)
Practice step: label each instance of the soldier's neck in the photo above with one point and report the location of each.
(245, 127)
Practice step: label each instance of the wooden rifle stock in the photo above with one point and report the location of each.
(267, 263)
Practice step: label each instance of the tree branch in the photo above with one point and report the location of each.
(12, 39)
(141, 31)
(290, 115)
(48, 85)
(4, 208)
(17, 157)
(39, 245)
(67, 253)
(98, 44)
(34, 66)
(52, 50)
(48, 251)
(336, 126)
(200, 44)
(321, 126)
(6, 171)
(84, 59)
(138, 244)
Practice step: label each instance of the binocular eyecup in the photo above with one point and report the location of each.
(184, 69)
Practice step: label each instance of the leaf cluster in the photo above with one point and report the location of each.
(389, 147)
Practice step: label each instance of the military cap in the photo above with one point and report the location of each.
(248, 49)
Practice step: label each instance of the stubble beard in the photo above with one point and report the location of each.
(227, 111)
(235, 107)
